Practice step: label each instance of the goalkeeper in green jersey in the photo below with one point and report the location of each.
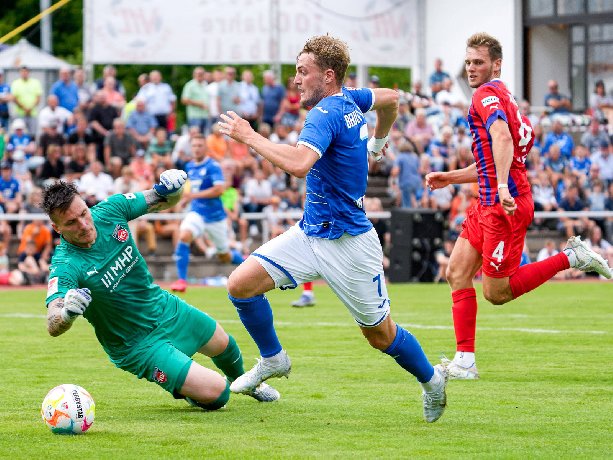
(98, 273)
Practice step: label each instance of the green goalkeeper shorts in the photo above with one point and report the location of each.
(164, 356)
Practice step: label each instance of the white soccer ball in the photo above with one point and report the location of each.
(68, 409)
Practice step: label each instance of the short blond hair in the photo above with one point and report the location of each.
(482, 39)
(330, 53)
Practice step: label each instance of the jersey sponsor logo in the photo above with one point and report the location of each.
(159, 375)
(129, 196)
(489, 100)
(321, 110)
(120, 234)
(52, 286)
(118, 269)
(353, 119)
(91, 272)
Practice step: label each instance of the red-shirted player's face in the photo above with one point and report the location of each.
(479, 66)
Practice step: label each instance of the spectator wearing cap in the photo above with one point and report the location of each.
(272, 95)
(27, 92)
(20, 139)
(54, 113)
(5, 98)
(554, 100)
(595, 137)
(141, 124)
(66, 90)
(10, 190)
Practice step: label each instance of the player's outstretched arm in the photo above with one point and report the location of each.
(296, 161)
(167, 192)
(62, 312)
(440, 179)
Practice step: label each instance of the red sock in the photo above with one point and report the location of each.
(308, 286)
(531, 276)
(464, 312)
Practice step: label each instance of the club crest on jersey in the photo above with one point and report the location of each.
(120, 234)
(489, 100)
(159, 375)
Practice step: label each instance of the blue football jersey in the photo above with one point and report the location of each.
(203, 176)
(335, 186)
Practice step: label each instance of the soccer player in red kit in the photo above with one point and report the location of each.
(494, 230)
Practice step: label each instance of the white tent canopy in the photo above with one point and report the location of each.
(23, 53)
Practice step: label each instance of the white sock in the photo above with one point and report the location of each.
(572, 257)
(433, 383)
(464, 358)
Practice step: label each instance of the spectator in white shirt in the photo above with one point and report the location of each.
(54, 113)
(96, 183)
(159, 98)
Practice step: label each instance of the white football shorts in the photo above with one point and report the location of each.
(351, 265)
(217, 232)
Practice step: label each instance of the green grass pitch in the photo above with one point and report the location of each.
(546, 388)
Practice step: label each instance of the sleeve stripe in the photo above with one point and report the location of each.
(373, 99)
(311, 146)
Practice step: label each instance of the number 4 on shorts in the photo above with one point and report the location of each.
(498, 253)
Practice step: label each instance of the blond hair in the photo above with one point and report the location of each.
(330, 53)
(482, 39)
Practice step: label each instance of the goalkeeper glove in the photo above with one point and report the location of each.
(171, 182)
(76, 302)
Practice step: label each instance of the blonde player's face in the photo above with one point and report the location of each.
(310, 80)
(76, 224)
(479, 66)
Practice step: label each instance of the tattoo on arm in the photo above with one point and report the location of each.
(155, 202)
(55, 324)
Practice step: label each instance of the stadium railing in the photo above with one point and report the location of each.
(260, 216)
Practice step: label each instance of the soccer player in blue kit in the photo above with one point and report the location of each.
(334, 240)
(206, 215)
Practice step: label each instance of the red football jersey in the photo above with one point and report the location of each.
(493, 101)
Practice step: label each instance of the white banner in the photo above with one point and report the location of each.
(382, 32)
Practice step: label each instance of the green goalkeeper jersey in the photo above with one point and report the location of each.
(126, 305)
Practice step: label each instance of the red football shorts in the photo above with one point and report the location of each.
(499, 238)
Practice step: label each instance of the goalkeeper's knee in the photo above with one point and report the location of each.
(221, 401)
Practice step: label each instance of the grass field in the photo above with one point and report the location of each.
(546, 389)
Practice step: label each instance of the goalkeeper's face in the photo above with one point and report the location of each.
(75, 224)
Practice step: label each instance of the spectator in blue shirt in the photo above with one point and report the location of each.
(141, 124)
(561, 138)
(66, 90)
(272, 95)
(437, 77)
(5, 98)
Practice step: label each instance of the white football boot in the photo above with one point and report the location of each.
(264, 393)
(435, 401)
(586, 259)
(458, 372)
(275, 366)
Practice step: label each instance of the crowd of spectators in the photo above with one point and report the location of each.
(109, 142)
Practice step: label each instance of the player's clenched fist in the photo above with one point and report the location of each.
(171, 182)
(76, 302)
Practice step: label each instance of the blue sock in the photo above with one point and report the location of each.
(256, 315)
(237, 257)
(182, 254)
(407, 352)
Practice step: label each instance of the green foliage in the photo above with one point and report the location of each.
(544, 392)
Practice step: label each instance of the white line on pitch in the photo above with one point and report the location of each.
(406, 325)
